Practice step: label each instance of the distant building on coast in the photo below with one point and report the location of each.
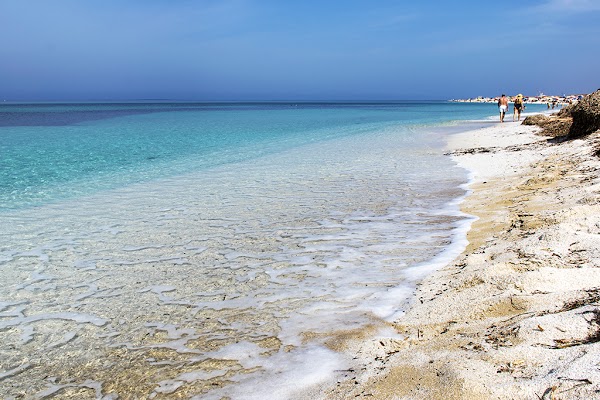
(540, 99)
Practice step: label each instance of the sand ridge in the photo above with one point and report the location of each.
(516, 316)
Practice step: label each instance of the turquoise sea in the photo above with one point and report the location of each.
(204, 250)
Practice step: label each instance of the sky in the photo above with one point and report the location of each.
(227, 50)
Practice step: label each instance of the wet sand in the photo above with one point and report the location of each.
(516, 316)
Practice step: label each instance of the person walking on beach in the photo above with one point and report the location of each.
(503, 106)
(518, 107)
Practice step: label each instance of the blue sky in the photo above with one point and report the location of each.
(299, 50)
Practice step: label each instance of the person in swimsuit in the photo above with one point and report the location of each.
(518, 107)
(503, 106)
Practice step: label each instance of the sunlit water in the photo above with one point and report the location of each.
(201, 251)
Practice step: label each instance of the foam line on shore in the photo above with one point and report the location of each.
(515, 315)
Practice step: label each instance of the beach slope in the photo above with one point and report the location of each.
(516, 316)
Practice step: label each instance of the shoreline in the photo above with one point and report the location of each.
(514, 315)
(153, 297)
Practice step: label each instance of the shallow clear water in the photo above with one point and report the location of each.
(212, 250)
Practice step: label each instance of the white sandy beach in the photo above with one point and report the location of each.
(516, 315)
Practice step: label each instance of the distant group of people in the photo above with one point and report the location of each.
(518, 107)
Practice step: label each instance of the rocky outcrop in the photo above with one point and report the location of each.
(572, 122)
(553, 126)
(537, 119)
(586, 116)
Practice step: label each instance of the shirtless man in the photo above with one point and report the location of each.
(503, 106)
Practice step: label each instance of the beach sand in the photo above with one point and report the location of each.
(516, 316)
